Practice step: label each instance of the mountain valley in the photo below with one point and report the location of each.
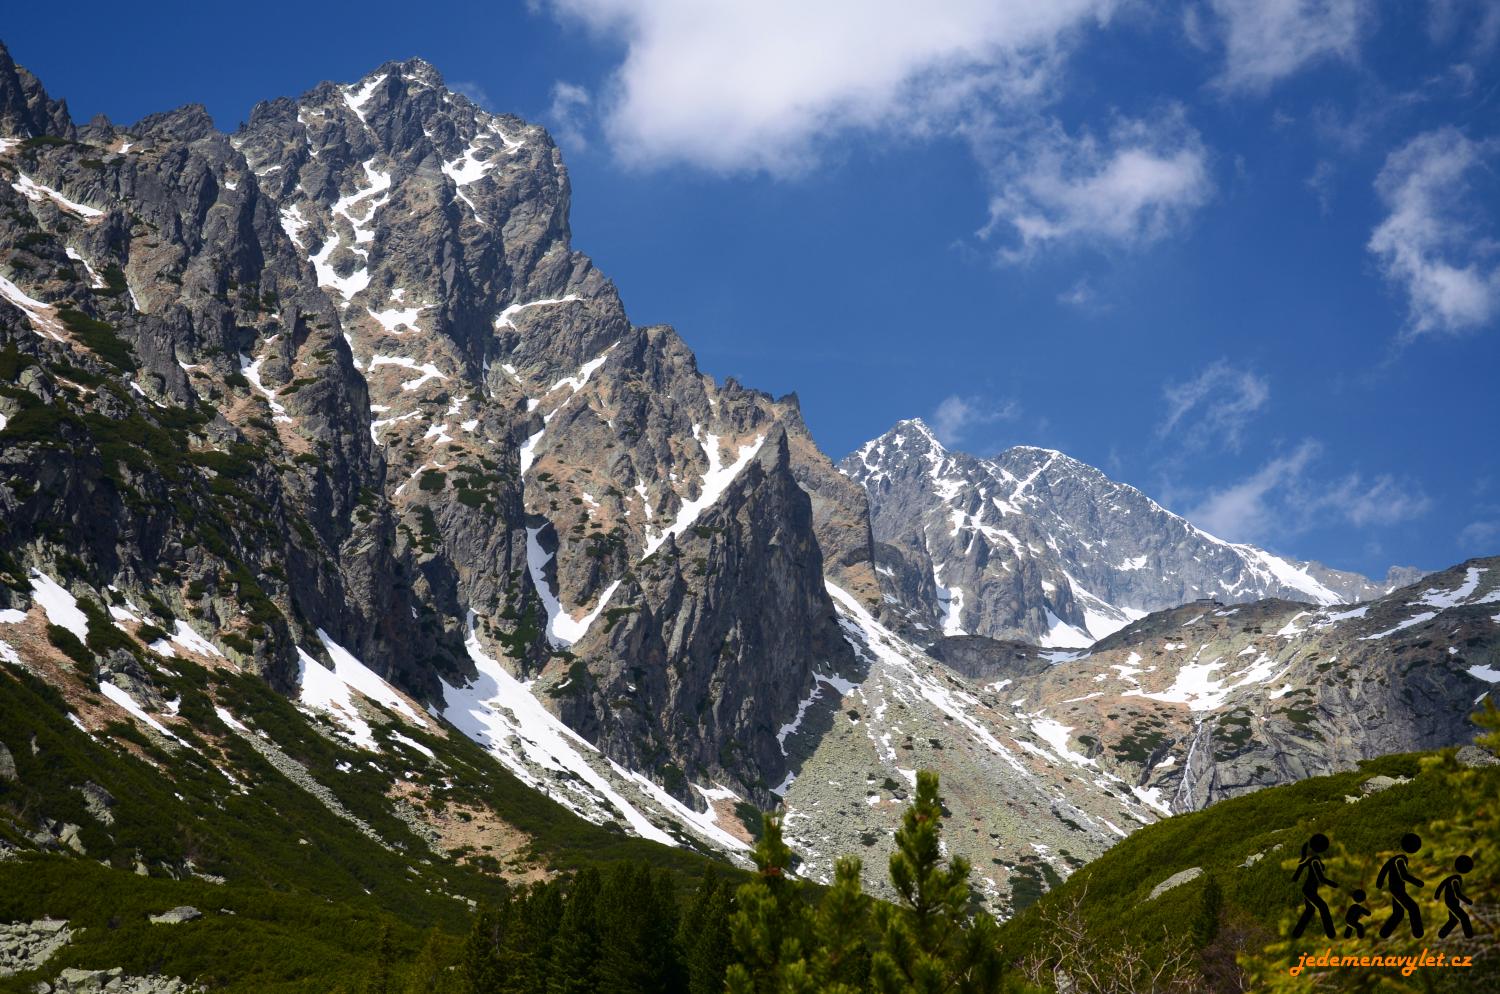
(356, 545)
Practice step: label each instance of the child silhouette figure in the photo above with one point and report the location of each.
(1451, 892)
(1394, 876)
(1316, 878)
(1352, 924)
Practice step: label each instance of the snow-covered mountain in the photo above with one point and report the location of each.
(1037, 546)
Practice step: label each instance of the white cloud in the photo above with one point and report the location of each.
(1214, 406)
(568, 114)
(770, 86)
(1246, 511)
(1129, 187)
(763, 86)
(1481, 537)
(1432, 243)
(1381, 501)
(955, 416)
(1475, 21)
(1082, 295)
(1321, 184)
(1267, 40)
(1283, 498)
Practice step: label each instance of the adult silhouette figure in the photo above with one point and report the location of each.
(1394, 876)
(1451, 892)
(1316, 878)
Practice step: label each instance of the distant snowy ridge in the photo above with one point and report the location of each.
(1035, 545)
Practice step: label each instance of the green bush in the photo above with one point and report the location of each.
(71, 646)
(100, 337)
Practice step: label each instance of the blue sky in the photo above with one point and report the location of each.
(1244, 254)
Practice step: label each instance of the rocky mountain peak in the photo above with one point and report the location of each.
(1033, 544)
(335, 402)
(25, 109)
(571, 472)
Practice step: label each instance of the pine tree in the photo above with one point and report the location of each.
(429, 973)
(528, 947)
(380, 978)
(661, 927)
(481, 966)
(929, 943)
(638, 931)
(770, 925)
(841, 962)
(703, 937)
(1206, 924)
(575, 953)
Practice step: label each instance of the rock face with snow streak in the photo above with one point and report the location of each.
(141, 447)
(1049, 756)
(1037, 546)
(569, 478)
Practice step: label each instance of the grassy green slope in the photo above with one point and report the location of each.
(305, 892)
(1115, 888)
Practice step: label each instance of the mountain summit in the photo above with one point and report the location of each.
(1037, 546)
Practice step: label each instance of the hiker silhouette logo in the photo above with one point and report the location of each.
(1396, 876)
(1353, 927)
(1451, 893)
(1312, 852)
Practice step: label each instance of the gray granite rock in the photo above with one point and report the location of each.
(27, 945)
(1175, 880)
(1034, 545)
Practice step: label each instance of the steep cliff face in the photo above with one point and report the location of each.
(613, 517)
(415, 414)
(140, 451)
(1035, 545)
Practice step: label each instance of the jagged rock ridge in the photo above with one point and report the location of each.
(1035, 545)
(344, 367)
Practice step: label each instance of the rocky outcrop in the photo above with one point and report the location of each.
(27, 945)
(25, 108)
(139, 430)
(984, 659)
(1211, 701)
(1034, 545)
(1175, 880)
(112, 981)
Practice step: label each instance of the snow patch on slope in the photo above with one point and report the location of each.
(329, 691)
(499, 712)
(562, 628)
(61, 606)
(715, 482)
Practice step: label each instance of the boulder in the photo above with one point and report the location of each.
(1175, 880)
(176, 916)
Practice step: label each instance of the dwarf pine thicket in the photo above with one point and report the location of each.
(626, 930)
(630, 928)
